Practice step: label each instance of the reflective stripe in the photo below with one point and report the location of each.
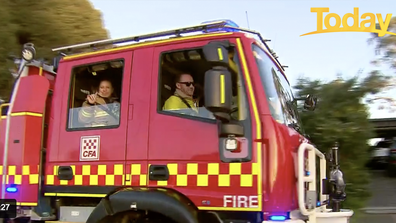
(98, 125)
(257, 122)
(101, 114)
(73, 195)
(23, 114)
(214, 175)
(25, 174)
(85, 113)
(26, 203)
(27, 114)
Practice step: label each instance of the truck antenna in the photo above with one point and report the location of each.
(247, 19)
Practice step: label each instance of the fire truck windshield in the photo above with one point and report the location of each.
(278, 92)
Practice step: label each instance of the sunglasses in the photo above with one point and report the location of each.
(188, 84)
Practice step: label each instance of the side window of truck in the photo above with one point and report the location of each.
(182, 75)
(288, 103)
(95, 95)
(278, 92)
(4, 109)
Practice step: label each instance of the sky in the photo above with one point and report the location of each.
(320, 56)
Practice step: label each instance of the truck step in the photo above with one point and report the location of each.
(74, 214)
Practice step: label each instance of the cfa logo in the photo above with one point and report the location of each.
(368, 18)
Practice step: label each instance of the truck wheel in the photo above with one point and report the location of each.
(18, 220)
(137, 217)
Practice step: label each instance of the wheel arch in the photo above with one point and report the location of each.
(178, 207)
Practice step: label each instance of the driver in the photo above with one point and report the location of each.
(100, 108)
(183, 96)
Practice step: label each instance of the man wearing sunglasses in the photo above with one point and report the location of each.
(183, 96)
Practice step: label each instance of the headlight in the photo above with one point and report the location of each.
(231, 143)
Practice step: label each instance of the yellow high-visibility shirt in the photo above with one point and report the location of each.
(176, 103)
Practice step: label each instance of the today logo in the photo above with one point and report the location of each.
(358, 26)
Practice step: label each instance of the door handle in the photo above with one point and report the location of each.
(130, 112)
(158, 172)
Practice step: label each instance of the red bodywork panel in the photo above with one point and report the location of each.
(190, 148)
(145, 137)
(280, 144)
(25, 139)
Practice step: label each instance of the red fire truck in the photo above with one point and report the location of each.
(240, 156)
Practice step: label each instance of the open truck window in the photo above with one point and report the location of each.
(174, 64)
(95, 95)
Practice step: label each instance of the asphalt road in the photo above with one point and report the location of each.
(381, 208)
(378, 218)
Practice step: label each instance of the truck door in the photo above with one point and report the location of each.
(92, 138)
(138, 118)
(184, 150)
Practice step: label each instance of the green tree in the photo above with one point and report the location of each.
(385, 46)
(342, 116)
(385, 49)
(7, 43)
(47, 24)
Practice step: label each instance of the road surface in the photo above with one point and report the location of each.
(381, 208)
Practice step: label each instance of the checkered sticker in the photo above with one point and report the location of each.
(89, 148)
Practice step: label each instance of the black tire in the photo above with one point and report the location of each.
(18, 220)
(137, 217)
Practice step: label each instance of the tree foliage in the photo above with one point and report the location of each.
(342, 116)
(385, 50)
(47, 24)
(385, 46)
(7, 44)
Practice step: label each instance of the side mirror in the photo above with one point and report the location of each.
(218, 82)
(216, 53)
(310, 103)
(218, 93)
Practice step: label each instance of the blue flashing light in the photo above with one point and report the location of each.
(277, 218)
(318, 204)
(227, 22)
(12, 189)
(308, 173)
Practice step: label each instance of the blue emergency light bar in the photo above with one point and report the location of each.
(226, 22)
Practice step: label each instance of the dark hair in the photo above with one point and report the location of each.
(178, 76)
(105, 79)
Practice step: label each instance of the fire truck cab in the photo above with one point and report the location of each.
(234, 151)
